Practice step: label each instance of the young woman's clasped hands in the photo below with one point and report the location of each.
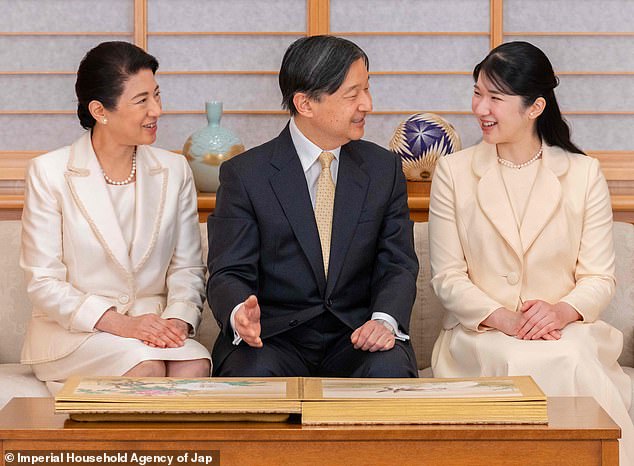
(536, 320)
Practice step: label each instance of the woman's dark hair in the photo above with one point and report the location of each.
(103, 73)
(316, 65)
(520, 68)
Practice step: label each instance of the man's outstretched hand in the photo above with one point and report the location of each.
(247, 322)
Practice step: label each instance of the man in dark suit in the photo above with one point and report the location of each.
(311, 255)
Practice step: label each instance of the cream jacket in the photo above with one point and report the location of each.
(482, 261)
(76, 261)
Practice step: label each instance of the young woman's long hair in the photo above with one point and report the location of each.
(520, 68)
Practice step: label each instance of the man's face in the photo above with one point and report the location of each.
(339, 118)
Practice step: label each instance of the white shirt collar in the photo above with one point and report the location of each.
(307, 151)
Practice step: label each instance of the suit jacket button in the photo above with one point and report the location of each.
(512, 278)
(329, 302)
(293, 323)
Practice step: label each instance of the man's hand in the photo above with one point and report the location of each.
(247, 322)
(373, 336)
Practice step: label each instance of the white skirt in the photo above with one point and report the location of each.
(582, 363)
(105, 354)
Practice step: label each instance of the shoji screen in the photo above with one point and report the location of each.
(41, 44)
(421, 54)
(421, 57)
(591, 46)
(228, 50)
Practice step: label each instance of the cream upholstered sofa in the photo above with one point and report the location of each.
(18, 380)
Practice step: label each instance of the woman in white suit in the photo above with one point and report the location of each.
(110, 236)
(521, 245)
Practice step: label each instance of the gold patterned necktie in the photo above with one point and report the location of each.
(324, 204)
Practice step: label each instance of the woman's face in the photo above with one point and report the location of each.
(134, 120)
(503, 118)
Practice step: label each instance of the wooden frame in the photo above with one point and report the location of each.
(617, 165)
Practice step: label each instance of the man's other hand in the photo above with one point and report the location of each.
(373, 336)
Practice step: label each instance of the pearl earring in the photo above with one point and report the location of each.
(105, 121)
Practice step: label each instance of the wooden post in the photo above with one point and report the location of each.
(140, 23)
(497, 22)
(318, 17)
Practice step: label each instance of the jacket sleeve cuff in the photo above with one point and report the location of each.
(392, 321)
(236, 336)
(576, 307)
(184, 311)
(89, 313)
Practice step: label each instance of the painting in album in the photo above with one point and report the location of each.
(428, 389)
(473, 389)
(114, 388)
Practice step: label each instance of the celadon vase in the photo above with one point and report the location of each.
(208, 147)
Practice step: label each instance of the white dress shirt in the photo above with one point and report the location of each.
(308, 154)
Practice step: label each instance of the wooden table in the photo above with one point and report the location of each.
(579, 433)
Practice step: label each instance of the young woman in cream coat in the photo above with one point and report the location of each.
(111, 242)
(521, 245)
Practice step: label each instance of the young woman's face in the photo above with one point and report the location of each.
(503, 118)
(134, 120)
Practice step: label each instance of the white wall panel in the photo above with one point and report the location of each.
(191, 53)
(37, 53)
(227, 15)
(409, 15)
(414, 92)
(66, 15)
(605, 132)
(237, 92)
(423, 53)
(583, 53)
(569, 15)
(37, 92)
(38, 132)
(596, 93)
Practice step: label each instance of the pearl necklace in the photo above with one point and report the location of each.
(128, 179)
(508, 163)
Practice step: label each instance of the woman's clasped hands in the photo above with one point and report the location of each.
(158, 332)
(535, 320)
(541, 320)
(151, 329)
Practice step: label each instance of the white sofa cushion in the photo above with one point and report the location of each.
(630, 371)
(424, 329)
(18, 380)
(620, 312)
(15, 307)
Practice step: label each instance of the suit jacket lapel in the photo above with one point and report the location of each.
(492, 196)
(545, 196)
(350, 195)
(89, 190)
(151, 186)
(289, 185)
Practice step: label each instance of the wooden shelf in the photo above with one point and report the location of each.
(418, 201)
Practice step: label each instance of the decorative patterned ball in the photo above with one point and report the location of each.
(420, 140)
